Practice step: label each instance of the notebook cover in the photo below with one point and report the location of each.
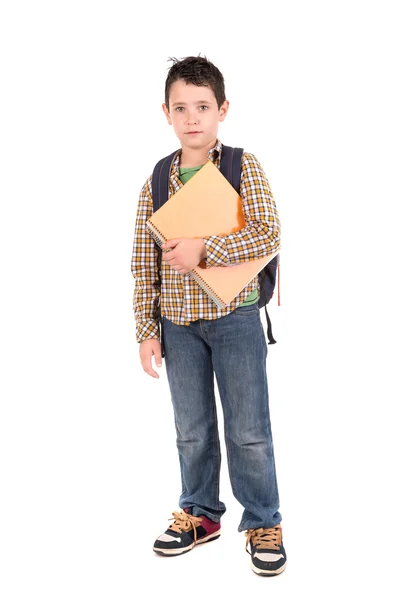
(207, 205)
(223, 284)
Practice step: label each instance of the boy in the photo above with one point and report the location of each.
(201, 339)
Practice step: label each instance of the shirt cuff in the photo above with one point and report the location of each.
(217, 253)
(146, 330)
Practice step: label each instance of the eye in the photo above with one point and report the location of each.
(178, 108)
(204, 106)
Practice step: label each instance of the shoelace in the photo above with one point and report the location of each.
(264, 539)
(185, 521)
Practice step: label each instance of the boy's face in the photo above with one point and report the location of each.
(194, 108)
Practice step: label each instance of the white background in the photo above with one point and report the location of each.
(89, 469)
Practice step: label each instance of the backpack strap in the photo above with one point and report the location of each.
(160, 180)
(231, 165)
(271, 339)
(160, 193)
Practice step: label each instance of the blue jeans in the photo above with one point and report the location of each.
(233, 347)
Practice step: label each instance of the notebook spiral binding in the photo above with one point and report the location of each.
(200, 281)
(156, 233)
(160, 240)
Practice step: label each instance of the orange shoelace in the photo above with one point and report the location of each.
(184, 521)
(264, 539)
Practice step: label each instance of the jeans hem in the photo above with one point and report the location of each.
(198, 512)
(258, 526)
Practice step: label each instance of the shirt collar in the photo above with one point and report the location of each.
(214, 154)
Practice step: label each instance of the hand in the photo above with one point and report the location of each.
(148, 349)
(184, 254)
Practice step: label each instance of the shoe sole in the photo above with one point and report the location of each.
(179, 551)
(268, 573)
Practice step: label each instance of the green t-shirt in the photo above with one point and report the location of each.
(185, 174)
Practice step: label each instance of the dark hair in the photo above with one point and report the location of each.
(198, 71)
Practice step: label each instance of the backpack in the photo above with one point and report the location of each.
(230, 167)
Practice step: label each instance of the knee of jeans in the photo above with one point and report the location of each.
(196, 448)
(254, 438)
(187, 435)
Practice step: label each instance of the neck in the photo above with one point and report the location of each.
(193, 157)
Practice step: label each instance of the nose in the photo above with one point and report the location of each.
(193, 119)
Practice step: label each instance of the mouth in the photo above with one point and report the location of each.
(193, 132)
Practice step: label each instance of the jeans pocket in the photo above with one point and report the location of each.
(250, 309)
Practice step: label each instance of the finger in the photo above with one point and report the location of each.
(178, 268)
(168, 259)
(157, 357)
(168, 256)
(176, 265)
(147, 367)
(171, 243)
(152, 373)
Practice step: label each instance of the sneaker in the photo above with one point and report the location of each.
(268, 556)
(185, 532)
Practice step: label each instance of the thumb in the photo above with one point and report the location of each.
(171, 243)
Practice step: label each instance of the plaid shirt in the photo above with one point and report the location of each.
(182, 300)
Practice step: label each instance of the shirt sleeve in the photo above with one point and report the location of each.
(261, 234)
(144, 268)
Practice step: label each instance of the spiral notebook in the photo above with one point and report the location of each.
(207, 205)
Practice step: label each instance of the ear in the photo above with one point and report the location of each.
(166, 113)
(223, 111)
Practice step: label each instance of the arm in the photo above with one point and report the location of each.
(261, 235)
(147, 292)
(145, 271)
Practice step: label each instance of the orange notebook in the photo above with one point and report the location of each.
(207, 205)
